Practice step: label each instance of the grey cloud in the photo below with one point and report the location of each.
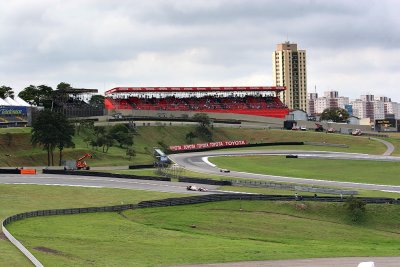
(68, 39)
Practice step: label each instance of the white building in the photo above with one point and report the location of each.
(331, 99)
(369, 107)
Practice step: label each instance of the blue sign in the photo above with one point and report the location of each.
(16, 111)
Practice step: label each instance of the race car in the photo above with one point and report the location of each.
(195, 188)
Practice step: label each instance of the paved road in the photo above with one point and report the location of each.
(198, 161)
(99, 182)
(389, 146)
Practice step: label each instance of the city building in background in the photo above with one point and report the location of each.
(289, 70)
(367, 108)
(331, 99)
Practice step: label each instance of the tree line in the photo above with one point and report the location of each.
(53, 131)
(43, 95)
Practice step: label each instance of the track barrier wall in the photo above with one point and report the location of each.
(141, 166)
(106, 174)
(10, 171)
(238, 146)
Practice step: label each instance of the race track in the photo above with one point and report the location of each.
(101, 182)
(198, 162)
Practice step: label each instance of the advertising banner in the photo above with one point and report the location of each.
(13, 111)
(208, 145)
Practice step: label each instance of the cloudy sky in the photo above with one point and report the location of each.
(352, 46)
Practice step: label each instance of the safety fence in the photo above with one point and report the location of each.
(169, 202)
(293, 187)
(190, 200)
(106, 174)
(260, 184)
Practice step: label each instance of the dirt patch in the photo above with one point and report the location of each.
(48, 250)
(2, 236)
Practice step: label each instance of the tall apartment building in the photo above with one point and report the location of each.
(369, 107)
(289, 69)
(311, 103)
(331, 99)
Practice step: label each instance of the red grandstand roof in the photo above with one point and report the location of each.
(195, 89)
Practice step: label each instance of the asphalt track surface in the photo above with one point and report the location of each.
(198, 162)
(102, 182)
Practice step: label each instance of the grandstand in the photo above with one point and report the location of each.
(74, 102)
(259, 101)
(13, 112)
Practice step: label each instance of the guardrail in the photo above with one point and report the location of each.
(106, 174)
(165, 203)
(294, 187)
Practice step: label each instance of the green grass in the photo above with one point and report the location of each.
(276, 191)
(360, 171)
(21, 198)
(16, 150)
(13, 130)
(224, 232)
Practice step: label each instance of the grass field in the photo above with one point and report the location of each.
(16, 148)
(163, 236)
(212, 232)
(360, 171)
(21, 198)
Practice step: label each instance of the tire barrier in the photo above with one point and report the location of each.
(171, 202)
(106, 174)
(141, 166)
(10, 171)
(204, 181)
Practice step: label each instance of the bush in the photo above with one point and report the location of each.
(356, 209)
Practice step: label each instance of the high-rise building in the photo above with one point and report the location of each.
(331, 99)
(311, 103)
(289, 69)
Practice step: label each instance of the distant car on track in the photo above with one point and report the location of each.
(224, 170)
(195, 188)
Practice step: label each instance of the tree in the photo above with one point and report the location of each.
(62, 86)
(203, 129)
(6, 91)
(97, 101)
(120, 133)
(38, 95)
(335, 114)
(30, 95)
(202, 119)
(51, 130)
(66, 131)
(190, 136)
(355, 208)
(131, 152)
